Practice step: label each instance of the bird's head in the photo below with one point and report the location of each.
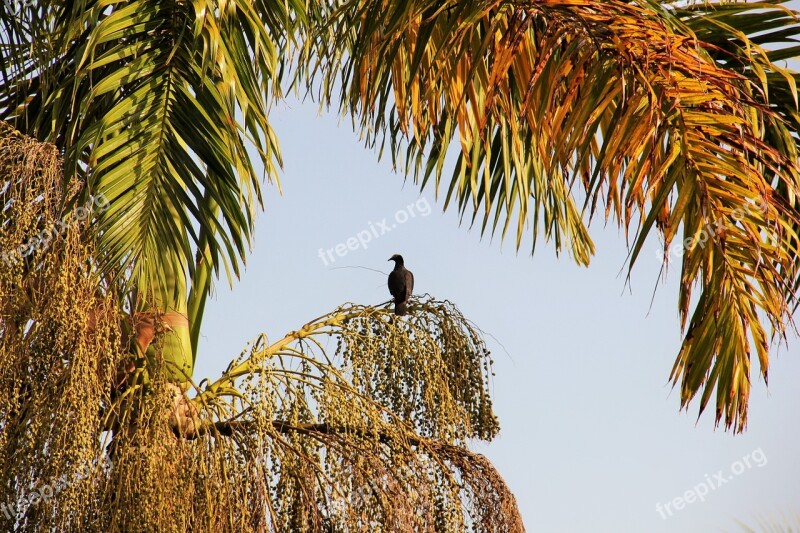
(397, 258)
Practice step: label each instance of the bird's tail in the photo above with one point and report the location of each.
(400, 308)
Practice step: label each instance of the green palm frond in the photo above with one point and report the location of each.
(156, 103)
(660, 117)
(171, 134)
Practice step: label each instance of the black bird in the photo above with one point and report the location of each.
(401, 284)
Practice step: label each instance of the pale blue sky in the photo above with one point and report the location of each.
(591, 437)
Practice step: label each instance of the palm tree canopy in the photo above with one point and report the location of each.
(672, 118)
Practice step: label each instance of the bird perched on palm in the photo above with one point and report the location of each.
(401, 285)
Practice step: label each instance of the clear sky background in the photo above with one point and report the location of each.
(592, 437)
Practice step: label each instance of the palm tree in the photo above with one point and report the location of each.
(676, 118)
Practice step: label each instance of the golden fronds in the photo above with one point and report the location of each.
(664, 115)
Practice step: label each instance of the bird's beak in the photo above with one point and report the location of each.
(389, 259)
